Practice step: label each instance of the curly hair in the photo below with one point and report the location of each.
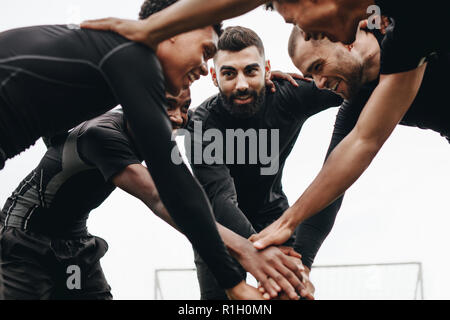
(150, 7)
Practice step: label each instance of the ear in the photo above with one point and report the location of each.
(268, 69)
(214, 76)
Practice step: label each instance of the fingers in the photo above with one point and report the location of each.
(291, 79)
(270, 85)
(100, 24)
(270, 286)
(283, 277)
(263, 242)
(289, 251)
(294, 273)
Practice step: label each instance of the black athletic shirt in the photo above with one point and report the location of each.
(430, 110)
(54, 77)
(73, 178)
(243, 199)
(421, 29)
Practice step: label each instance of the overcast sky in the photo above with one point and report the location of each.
(397, 212)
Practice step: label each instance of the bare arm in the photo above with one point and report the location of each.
(384, 110)
(137, 181)
(182, 16)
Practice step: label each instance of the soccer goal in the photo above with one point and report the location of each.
(380, 281)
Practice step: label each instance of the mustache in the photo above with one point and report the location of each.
(244, 93)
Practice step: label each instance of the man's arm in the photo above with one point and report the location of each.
(137, 181)
(182, 16)
(386, 107)
(142, 96)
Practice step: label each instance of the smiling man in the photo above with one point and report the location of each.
(243, 198)
(54, 77)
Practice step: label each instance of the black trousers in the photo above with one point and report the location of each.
(37, 267)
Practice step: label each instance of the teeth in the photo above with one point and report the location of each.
(336, 86)
(191, 77)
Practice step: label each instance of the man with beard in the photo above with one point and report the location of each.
(244, 199)
(353, 72)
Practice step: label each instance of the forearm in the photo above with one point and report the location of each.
(187, 15)
(232, 241)
(384, 110)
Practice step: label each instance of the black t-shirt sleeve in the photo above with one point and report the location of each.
(136, 78)
(306, 99)
(401, 51)
(108, 149)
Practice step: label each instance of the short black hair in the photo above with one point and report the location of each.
(150, 7)
(238, 38)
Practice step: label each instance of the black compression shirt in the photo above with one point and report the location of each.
(244, 199)
(430, 110)
(53, 78)
(421, 30)
(72, 179)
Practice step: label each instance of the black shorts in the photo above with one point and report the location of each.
(37, 267)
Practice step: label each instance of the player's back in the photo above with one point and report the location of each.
(51, 79)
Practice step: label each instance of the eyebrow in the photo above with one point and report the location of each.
(224, 67)
(251, 66)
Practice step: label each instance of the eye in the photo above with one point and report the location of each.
(252, 72)
(227, 74)
(172, 104)
(185, 107)
(317, 67)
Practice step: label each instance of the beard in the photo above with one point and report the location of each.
(353, 71)
(355, 83)
(243, 111)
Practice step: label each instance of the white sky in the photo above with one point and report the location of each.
(398, 211)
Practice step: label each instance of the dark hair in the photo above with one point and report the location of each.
(238, 38)
(269, 6)
(150, 7)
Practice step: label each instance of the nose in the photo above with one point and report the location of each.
(242, 83)
(176, 118)
(320, 81)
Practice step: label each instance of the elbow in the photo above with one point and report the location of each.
(369, 144)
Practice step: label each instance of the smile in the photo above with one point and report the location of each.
(243, 100)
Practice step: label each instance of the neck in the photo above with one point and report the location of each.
(369, 50)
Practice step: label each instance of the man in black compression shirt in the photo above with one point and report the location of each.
(353, 72)
(247, 195)
(44, 231)
(54, 77)
(51, 205)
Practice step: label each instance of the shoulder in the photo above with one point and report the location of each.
(205, 113)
